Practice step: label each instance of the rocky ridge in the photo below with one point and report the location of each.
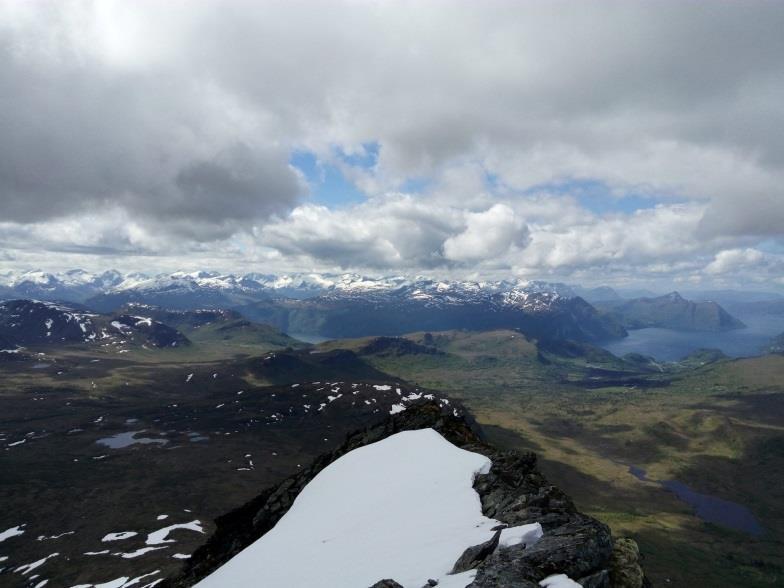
(513, 492)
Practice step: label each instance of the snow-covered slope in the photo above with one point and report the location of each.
(401, 508)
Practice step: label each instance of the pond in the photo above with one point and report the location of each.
(710, 509)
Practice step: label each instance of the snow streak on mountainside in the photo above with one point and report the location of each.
(376, 513)
(33, 322)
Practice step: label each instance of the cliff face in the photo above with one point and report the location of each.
(514, 493)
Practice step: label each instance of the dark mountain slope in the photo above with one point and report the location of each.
(32, 322)
(395, 346)
(216, 325)
(672, 311)
(283, 367)
(156, 333)
(538, 315)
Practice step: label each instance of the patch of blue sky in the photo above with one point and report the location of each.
(492, 181)
(328, 186)
(772, 245)
(597, 197)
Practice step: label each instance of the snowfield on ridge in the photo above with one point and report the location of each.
(402, 508)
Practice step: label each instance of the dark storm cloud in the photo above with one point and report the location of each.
(78, 133)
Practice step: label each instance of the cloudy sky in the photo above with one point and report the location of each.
(608, 142)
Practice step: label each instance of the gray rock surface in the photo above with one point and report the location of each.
(473, 556)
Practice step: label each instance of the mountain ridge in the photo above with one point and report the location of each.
(513, 492)
(341, 305)
(672, 311)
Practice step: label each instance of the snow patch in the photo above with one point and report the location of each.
(27, 568)
(139, 552)
(161, 535)
(559, 581)
(458, 580)
(528, 534)
(12, 532)
(376, 513)
(119, 536)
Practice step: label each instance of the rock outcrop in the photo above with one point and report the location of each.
(514, 492)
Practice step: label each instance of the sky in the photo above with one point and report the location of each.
(620, 143)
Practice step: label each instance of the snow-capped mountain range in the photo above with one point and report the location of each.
(332, 305)
(78, 285)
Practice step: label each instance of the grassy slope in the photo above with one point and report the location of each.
(718, 428)
(240, 336)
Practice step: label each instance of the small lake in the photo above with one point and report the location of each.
(709, 508)
(670, 345)
(122, 440)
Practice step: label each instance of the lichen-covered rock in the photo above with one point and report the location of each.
(625, 570)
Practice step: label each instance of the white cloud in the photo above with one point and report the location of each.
(420, 233)
(647, 236)
(162, 129)
(395, 231)
(731, 260)
(488, 235)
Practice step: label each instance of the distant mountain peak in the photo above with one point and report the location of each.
(673, 311)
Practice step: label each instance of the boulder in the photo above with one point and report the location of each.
(625, 570)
